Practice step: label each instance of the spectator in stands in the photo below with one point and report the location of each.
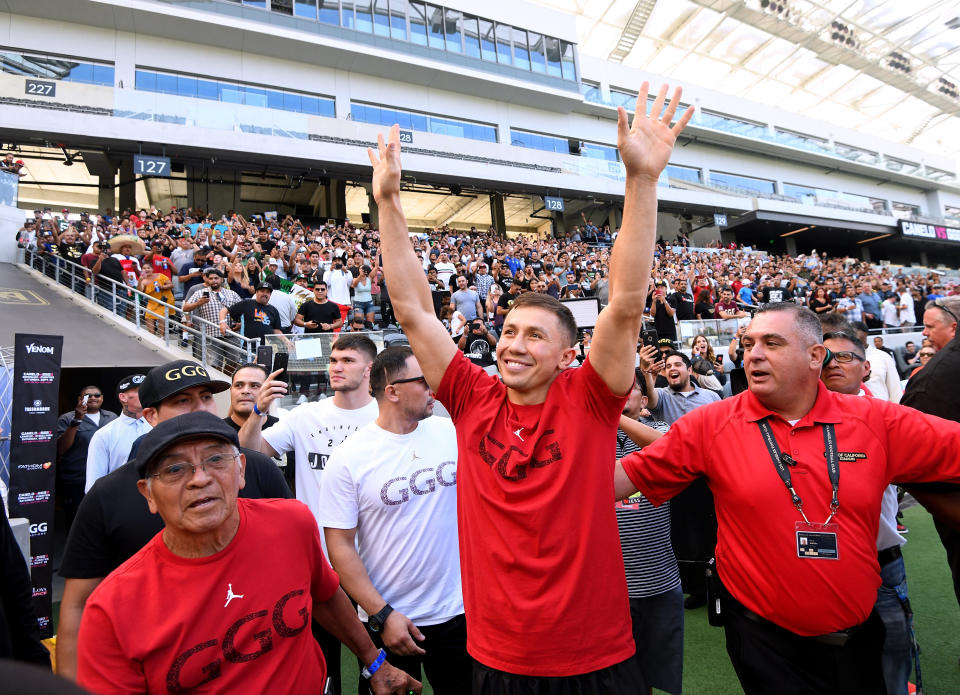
(850, 306)
(409, 592)
(704, 308)
(890, 312)
(338, 281)
(12, 165)
(159, 288)
(192, 274)
(110, 445)
(662, 312)
(319, 315)
(653, 581)
(940, 320)
(905, 305)
(478, 344)
(208, 301)
(870, 301)
(363, 291)
(706, 365)
(466, 301)
(727, 308)
(74, 432)
(244, 388)
(820, 303)
(923, 357)
(254, 318)
(193, 460)
(681, 301)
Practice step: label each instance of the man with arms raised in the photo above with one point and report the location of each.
(392, 487)
(798, 474)
(261, 557)
(530, 464)
(312, 430)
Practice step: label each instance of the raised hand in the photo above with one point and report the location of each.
(386, 165)
(645, 146)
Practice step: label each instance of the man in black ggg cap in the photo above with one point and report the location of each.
(114, 522)
(263, 558)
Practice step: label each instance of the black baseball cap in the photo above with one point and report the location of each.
(172, 378)
(188, 426)
(264, 286)
(130, 382)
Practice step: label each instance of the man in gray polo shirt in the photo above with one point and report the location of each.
(694, 521)
(681, 395)
(466, 301)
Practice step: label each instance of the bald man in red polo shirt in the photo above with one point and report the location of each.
(797, 473)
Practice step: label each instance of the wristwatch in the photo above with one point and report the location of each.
(376, 622)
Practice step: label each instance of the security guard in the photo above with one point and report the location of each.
(797, 473)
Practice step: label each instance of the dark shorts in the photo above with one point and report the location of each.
(619, 678)
(658, 634)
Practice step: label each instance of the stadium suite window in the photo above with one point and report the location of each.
(305, 8)
(418, 23)
(453, 26)
(736, 181)
(471, 36)
(411, 120)
(904, 210)
(691, 174)
(951, 212)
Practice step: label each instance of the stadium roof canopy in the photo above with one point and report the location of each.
(885, 67)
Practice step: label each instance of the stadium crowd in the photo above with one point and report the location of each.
(565, 597)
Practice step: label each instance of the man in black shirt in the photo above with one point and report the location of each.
(682, 301)
(257, 316)
(318, 315)
(114, 522)
(663, 313)
(932, 390)
(506, 301)
(772, 292)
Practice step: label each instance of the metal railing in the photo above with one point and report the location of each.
(222, 350)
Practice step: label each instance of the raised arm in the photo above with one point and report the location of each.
(645, 148)
(409, 292)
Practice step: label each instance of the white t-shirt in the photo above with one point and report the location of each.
(338, 286)
(399, 491)
(312, 431)
(444, 271)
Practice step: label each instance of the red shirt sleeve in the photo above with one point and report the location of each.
(102, 665)
(595, 395)
(325, 581)
(666, 467)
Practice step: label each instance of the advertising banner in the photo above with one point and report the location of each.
(33, 453)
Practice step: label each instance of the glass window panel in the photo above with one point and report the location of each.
(254, 96)
(262, 4)
(364, 16)
(327, 107)
(398, 19)
(186, 86)
(521, 56)
(452, 28)
(329, 12)
(230, 93)
(167, 84)
(305, 8)
(274, 99)
(387, 116)
(418, 121)
(418, 23)
(488, 46)
(566, 58)
(471, 36)
(747, 183)
(553, 57)
(538, 61)
(358, 112)
(103, 74)
(282, 6)
(435, 26)
(675, 171)
(309, 104)
(208, 89)
(346, 14)
(82, 72)
(381, 18)
(291, 101)
(503, 43)
(405, 120)
(145, 80)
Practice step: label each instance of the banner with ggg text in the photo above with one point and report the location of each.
(33, 453)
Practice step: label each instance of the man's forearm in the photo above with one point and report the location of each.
(337, 616)
(632, 255)
(402, 270)
(353, 575)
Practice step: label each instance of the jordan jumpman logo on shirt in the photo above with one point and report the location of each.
(231, 595)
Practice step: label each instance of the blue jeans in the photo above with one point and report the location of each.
(897, 655)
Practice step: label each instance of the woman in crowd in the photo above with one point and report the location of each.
(704, 307)
(706, 364)
(160, 290)
(819, 304)
(239, 280)
(363, 291)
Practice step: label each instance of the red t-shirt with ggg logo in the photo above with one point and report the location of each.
(543, 581)
(237, 621)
